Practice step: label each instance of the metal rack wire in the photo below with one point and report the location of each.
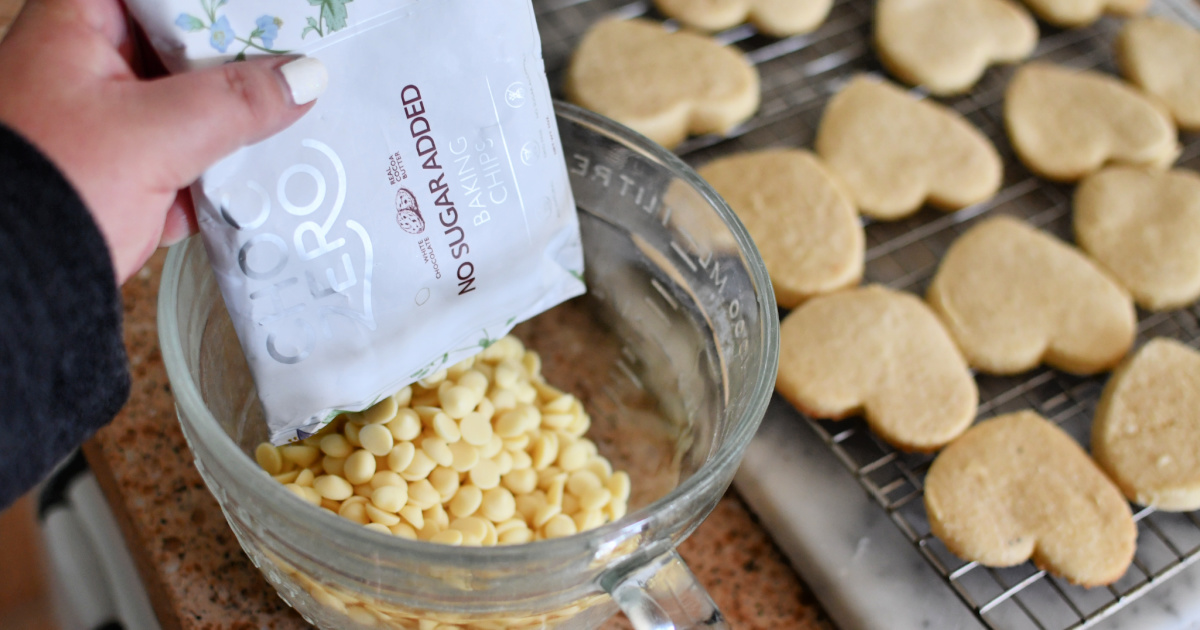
(798, 76)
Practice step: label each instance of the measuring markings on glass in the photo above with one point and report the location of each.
(658, 310)
(613, 397)
(682, 254)
(666, 295)
(629, 373)
(643, 199)
(699, 260)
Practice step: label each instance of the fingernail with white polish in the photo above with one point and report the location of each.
(306, 77)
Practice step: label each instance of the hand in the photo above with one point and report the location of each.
(129, 146)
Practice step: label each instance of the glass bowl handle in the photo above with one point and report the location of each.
(663, 594)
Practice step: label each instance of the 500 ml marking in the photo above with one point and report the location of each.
(700, 260)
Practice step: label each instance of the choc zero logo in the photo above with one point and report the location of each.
(408, 215)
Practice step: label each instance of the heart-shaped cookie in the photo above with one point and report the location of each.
(1017, 487)
(1066, 123)
(945, 45)
(777, 18)
(1147, 428)
(805, 227)
(1013, 296)
(1072, 13)
(664, 85)
(1143, 226)
(880, 353)
(894, 152)
(1163, 58)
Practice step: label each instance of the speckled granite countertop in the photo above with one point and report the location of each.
(198, 577)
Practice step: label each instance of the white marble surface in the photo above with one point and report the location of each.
(860, 566)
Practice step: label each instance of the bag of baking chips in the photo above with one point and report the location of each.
(416, 214)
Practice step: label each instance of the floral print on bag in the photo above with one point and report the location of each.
(331, 17)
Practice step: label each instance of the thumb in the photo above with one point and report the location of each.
(205, 115)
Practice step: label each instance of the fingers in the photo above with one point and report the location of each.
(106, 17)
(199, 117)
(83, 40)
(143, 59)
(180, 221)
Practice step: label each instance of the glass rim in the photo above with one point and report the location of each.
(398, 550)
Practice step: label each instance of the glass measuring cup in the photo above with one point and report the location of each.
(686, 320)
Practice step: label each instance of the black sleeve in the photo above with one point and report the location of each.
(63, 370)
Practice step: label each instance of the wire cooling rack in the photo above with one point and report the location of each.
(799, 74)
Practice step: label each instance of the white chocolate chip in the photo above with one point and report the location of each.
(573, 457)
(485, 475)
(405, 426)
(336, 445)
(448, 537)
(494, 446)
(521, 481)
(446, 428)
(376, 527)
(413, 515)
(268, 458)
(581, 481)
(619, 485)
(475, 381)
(432, 381)
(595, 499)
(355, 512)
(437, 450)
(516, 536)
(438, 516)
(420, 467)
(458, 400)
(299, 454)
(376, 439)
(404, 530)
(503, 399)
(472, 528)
(380, 412)
(390, 498)
(445, 481)
(466, 501)
(476, 429)
(498, 504)
(305, 478)
(465, 456)
(377, 515)
(333, 487)
(401, 456)
(360, 467)
(545, 513)
(559, 526)
(422, 494)
(386, 478)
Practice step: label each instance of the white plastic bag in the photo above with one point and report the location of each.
(416, 214)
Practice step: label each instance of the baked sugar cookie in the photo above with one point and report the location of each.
(777, 18)
(1146, 434)
(1017, 487)
(880, 353)
(895, 153)
(1072, 13)
(945, 45)
(1143, 226)
(1013, 296)
(1163, 58)
(1066, 123)
(805, 227)
(663, 85)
